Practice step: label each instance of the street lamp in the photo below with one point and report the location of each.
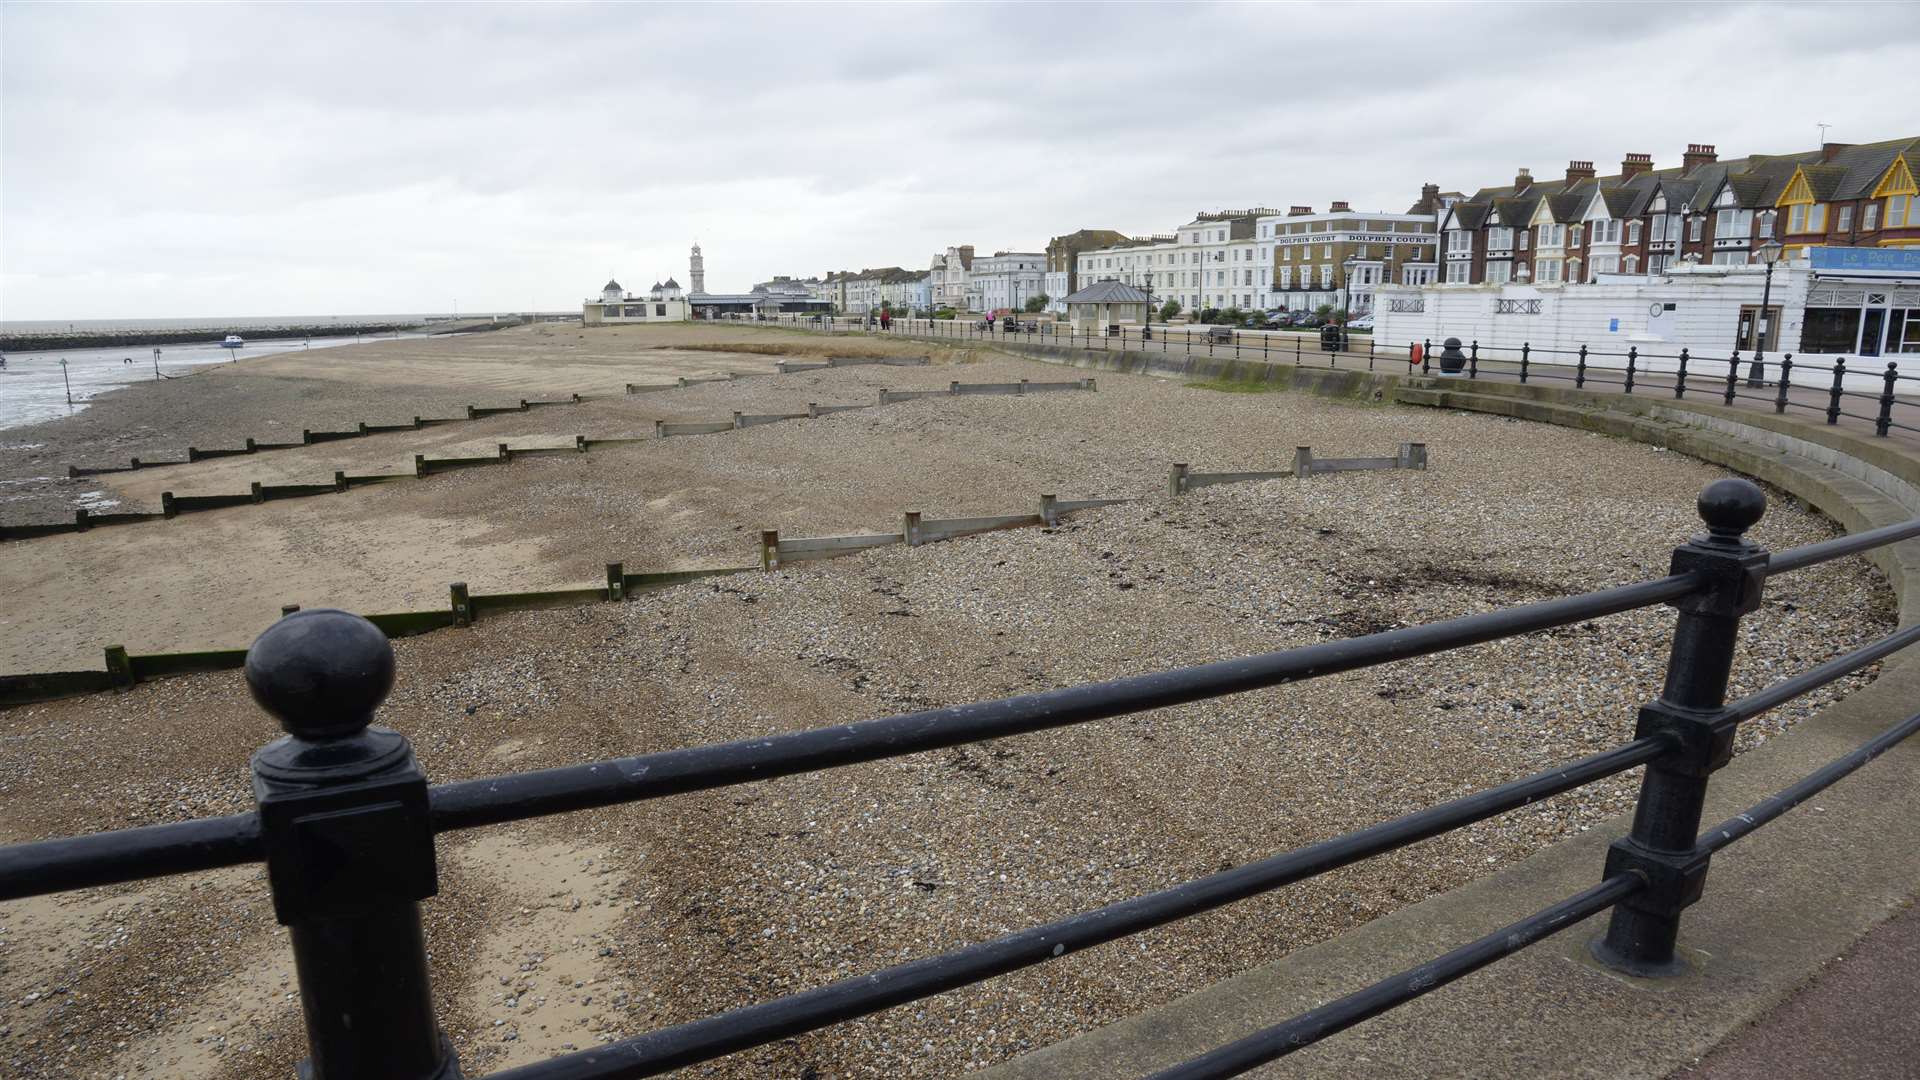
(1146, 332)
(1770, 253)
(1346, 295)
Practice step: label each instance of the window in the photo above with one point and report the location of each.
(1459, 240)
(1733, 224)
(1286, 277)
(1546, 271)
(1603, 264)
(1899, 211)
(1553, 236)
(1633, 232)
(1573, 236)
(1457, 272)
(1500, 239)
(1694, 225)
(1765, 225)
(1326, 276)
(1633, 264)
(1604, 232)
(1659, 229)
(1805, 218)
(1729, 258)
(1846, 218)
(1656, 264)
(1326, 250)
(1499, 272)
(1524, 234)
(1870, 217)
(659, 309)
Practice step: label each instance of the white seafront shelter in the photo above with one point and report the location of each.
(1106, 304)
(1862, 307)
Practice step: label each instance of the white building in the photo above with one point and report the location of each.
(1214, 260)
(1007, 279)
(950, 273)
(663, 303)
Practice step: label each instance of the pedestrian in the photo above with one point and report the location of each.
(989, 322)
(886, 319)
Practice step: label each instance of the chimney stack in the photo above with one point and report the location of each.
(1522, 180)
(1299, 211)
(1828, 151)
(1578, 171)
(1634, 164)
(1339, 208)
(1698, 154)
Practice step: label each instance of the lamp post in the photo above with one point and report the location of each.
(67, 381)
(1146, 333)
(1770, 253)
(1346, 295)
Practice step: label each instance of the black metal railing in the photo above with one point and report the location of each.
(1885, 398)
(346, 821)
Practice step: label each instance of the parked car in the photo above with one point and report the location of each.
(1308, 320)
(1220, 334)
(1364, 322)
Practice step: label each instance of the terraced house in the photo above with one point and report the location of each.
(1641, 219)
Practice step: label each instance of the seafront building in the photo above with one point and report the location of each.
(668, 302)
(1006, 280)
(1660, 258)
(1341, 257)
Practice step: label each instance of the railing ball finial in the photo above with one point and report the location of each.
(321, 672)
(1730, 507)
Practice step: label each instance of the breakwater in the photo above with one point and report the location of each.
(97, 339)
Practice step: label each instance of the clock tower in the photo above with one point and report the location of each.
(697, 272)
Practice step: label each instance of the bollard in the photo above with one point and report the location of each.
(769, 549)
(80, 521)
(616, 581)
(348, 839)
(813, 410)
(119, 667)
(910, 528)
(1525, 349)
(1426, 354)
(736, 420)
(339, 480)
(167, 507)
(1883, 423)
(258, 495)
(1302, 462)
(419, 464)
(1733, 375)
(1680, 383)
(1633, 356)
(580, 444)
(1786, 379)
(504, 453)
(1049, 515)
(1833, 399)
(1177, 479)
(659, 429)
(1413, 455)
(1641, 937)
(1580, 369)
(462, 607)
(1473, 360)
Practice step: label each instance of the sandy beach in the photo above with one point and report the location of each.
(576, 930)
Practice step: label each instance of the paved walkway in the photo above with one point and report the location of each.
(1857, 1020)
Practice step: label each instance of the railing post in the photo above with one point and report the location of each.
(1680, 383)
(1733, 375)
(1426, 355)
(1580, 369)
(349, 849)
(1884, 422)
(1833, 396)
(1473, 359)
(1786, 378)
(1525, 349)
(1662, 847)
(1633, 357)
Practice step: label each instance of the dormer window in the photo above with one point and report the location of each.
(1725, 199)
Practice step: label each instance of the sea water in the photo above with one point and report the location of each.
(33, 390)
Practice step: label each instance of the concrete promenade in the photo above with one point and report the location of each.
(1765, 995)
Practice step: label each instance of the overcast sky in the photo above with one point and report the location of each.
(172, 161)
